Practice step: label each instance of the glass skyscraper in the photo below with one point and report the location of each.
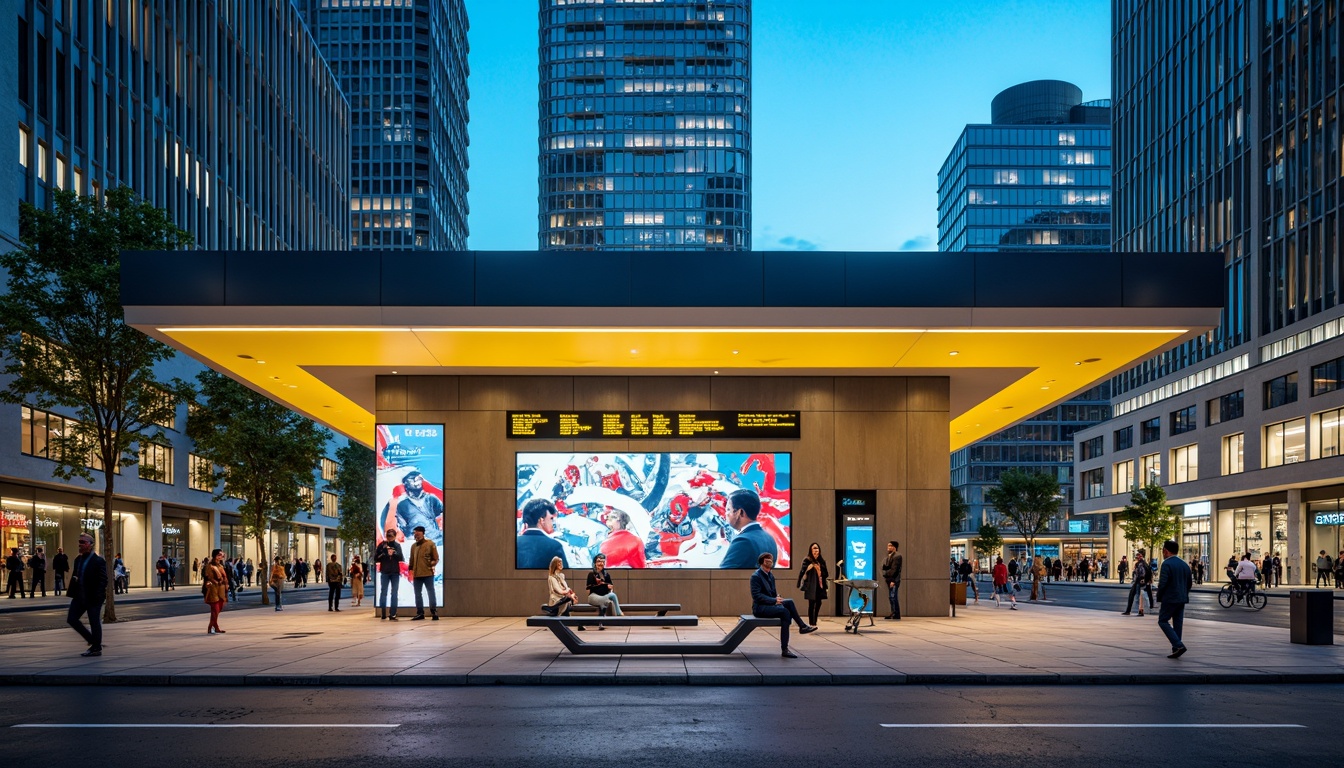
(645, 125)
(403, 66)
(1036, 178)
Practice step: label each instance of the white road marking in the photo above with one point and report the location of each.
(1090, 725)
(206, 725)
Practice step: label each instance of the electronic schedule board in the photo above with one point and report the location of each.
(660, 425)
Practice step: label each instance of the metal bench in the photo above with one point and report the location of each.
(660, 609)
(560, 627)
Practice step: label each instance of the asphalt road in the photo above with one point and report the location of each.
(249, 599)
(1096, 726)
(1203, 605)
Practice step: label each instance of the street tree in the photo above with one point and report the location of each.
(958, 510)
(354, 485)
(258, 452)
(67, 348)
(1028, 500)
(1147, 519)
(988, 542)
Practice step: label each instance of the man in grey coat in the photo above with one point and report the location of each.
(1173, 592)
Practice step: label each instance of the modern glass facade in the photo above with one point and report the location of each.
(225, 115)
(645, 125)
(403, 66)
(1037, 178)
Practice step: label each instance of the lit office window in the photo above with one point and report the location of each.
(1185, 464)
(156, 462)
(329, 469)
(1325, 433)
(1122, 477)
(1150, 469)
(1285, 442)
(1233, 446)
(200, 472)
(23, 146)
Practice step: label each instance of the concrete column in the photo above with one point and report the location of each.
(155, 541)
(216, 537)
(1222, 543)
(1297, 538)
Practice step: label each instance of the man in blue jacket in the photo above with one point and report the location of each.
(1173, 592)
(751, 540)
(88, 591)
(767, 604)
(535, 547)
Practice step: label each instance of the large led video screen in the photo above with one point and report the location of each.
(409, 487)
(653, 510)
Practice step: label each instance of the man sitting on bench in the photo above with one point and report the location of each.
(767, 604)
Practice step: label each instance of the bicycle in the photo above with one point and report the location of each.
(1231, 594)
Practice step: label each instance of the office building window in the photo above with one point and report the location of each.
(1185, 464)
(40, 433)
(1150, 431)
(1225, 408)
(1233, 463)
(1325, 433)
(1150, 469)
(331, 504)
(305, 497)
(1281, 391)
(329, 469)
(1094, 483)
(1091, 449)
(23, 146)
(199, 473)
(1122, 477)
(1124, 439)
(1326, 376)
(156, 462)
(1184, 420)
(1285, 442)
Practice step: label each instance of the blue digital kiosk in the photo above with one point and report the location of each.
(856, 524)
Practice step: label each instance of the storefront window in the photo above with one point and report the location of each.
(1324, 532)
(1195, 544)
(1260, 531)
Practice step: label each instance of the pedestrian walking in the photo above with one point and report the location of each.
(1324, 566)
(277, 581)
(335, 580)
(388, 559)
(356, 582)
(891, 573)
(1122, 570)
(88, 591)
(195, 568)
(247, 571)
(215, 589)
(14, 565)
(60, 565)
(1173, 592)
(424, 557)
(965, 573)
(161, 569)
(812, 580)
(38, 564)
(1037, 576)
(172, 573)
(1143, 576)
(1001, 584)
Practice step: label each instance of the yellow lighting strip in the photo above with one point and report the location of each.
(652, 329)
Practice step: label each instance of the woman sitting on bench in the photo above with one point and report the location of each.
(600, 591)
(562, 597)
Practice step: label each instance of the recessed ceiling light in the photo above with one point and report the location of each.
(716, 373)
(261, 362)
(954, 353)
(634, 351)
(734, 351)
(1044, 387)
(293, 386)
(394, 371)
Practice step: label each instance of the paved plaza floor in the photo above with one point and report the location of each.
(307, 645)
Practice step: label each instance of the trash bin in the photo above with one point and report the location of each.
(1311, 616)
(958, 593)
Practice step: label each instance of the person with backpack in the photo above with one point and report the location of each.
(1001, 585)
(1324, 568)
(1143, 580)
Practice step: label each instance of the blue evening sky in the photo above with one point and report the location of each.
(855, 105)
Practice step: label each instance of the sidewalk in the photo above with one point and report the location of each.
(136, 595)
(1211, 587)
(306, 645)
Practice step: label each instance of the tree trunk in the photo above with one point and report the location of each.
(109, 551)
(263, 567)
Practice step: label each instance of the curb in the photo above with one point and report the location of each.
(731, 680)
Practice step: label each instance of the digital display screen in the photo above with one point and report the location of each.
(408, 479)
(661, 425)
(654, 510)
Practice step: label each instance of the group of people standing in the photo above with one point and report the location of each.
(15, 565)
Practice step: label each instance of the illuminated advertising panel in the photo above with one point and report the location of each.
(409, 488)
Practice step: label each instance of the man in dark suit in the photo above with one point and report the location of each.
(1173, 592)
(61, 565)
(767, 604)
(535, 546)
(751, 540)
(88, 590)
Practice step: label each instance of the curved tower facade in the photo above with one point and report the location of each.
(645, 125)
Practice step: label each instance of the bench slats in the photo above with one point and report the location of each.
(560, 627)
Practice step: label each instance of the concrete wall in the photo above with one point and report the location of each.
(883, 434)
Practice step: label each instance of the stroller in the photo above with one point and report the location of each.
(866, 590)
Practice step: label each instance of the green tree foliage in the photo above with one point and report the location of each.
(261, 453)
(958, 510)
(67, 348)
(989, 542)
(1147, 519)
(355, 485)
(1028, 500)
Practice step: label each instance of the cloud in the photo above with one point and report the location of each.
(921, 243)
(791, 243)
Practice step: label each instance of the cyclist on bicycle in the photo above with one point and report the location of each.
(1245, 576)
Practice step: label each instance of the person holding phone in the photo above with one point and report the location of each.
(813, 581)
(601, 593)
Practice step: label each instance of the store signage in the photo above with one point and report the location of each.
(1330, 518)
(172, 530)
(91, 524)
(1197, 509)
(663, 425)
(47, 522)
(13, 520)
(1080, 526)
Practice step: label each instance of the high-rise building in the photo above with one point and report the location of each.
(225, 115)
(403, 66)
(1036, 178)
(645, 125)
(1227, 138)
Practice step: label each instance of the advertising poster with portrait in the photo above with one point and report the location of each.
(652, 510)
(409, 487)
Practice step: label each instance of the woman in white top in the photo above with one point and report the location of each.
(1245, 573)
(561, 596)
